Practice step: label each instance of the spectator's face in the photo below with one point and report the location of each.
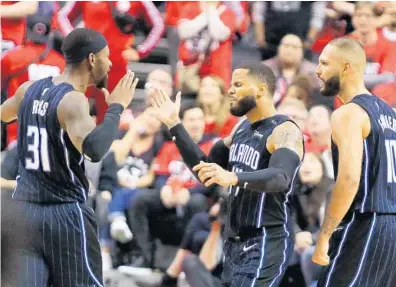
(290, 50)
(160, 79)
(311, 170)
(318, 121)
(101, 65)
(294, 92)
(209, 92)
(242, 93)
(298, 115)
(364, 19)
(152, 124)
(391, 11)
(194, 122)
(328, 71)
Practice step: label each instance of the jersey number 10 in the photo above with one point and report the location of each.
(39, 149)
(391, 155)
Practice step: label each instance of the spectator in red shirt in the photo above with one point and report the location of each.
(33, 61)
(206, 30)
(214, 101)
(380, 52)
(13, 21)
(99, 15)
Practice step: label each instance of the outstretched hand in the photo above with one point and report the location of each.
(320, 254)
(166, 110)
(210, 173)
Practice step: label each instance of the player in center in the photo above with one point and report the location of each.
(259, 162)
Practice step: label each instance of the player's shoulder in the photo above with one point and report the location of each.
(351, 112)
(71, 103)
(287, 127)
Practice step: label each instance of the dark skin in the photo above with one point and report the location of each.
(73, 109)
(243, 85)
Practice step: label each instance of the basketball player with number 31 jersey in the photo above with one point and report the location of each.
(52, 240)
(359, 229)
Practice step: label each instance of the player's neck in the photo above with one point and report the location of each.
(78, 80)
(259, 113)
(352, 90)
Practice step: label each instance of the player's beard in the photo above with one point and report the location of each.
(331, 87)
(103, 82)
(243, 106)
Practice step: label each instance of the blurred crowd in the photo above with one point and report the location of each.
(151, 211)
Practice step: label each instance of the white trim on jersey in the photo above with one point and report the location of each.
(262, 253)
(365, 175)
(286, 220)
(85, 247)
(68, 163)
(365, 251)
(339, 249)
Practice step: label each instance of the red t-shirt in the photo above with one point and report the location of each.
(170, 163)
(219, 60)
(224, 130)
(20, 59)
(12, 29)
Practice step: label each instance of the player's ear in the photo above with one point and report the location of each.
(91, 60)
(262, 90)
(346, 67)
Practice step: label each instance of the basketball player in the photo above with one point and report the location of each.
(258, 162)
(54, 240)
(363, 202)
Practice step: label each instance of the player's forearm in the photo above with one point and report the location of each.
(19, 10)
(97, 143)
(189, 150)
(277, 177)
(341, 200)
(209, 249)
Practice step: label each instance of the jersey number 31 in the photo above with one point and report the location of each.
(38, 149)
(391, 156)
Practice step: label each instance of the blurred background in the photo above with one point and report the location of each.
(155, 220)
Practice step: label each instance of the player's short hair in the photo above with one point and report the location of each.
(188, 106)
(347, 44)
(263, 73)
(81, 42)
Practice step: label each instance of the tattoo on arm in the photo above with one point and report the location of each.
(289, 136)
(329, 225)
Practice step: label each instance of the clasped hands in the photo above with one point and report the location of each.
(210, 173)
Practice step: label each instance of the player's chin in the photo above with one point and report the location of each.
(103, 83)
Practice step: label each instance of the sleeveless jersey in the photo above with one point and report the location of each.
(51, 169)
(377, 188)
(248, 153)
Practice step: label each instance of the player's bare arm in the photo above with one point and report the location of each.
(73, 114)
(350, 126)
(287, 135)
(9, 109)
(74, 118)
(167, 112)
(286, 146)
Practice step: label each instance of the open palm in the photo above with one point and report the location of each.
(166, 110)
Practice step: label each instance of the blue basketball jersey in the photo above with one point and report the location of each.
(377, 188)
(248, 153)
(51, 169)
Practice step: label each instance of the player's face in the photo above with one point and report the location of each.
(101, 65)
(328, 71)
(242, 93)
(194, 122)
